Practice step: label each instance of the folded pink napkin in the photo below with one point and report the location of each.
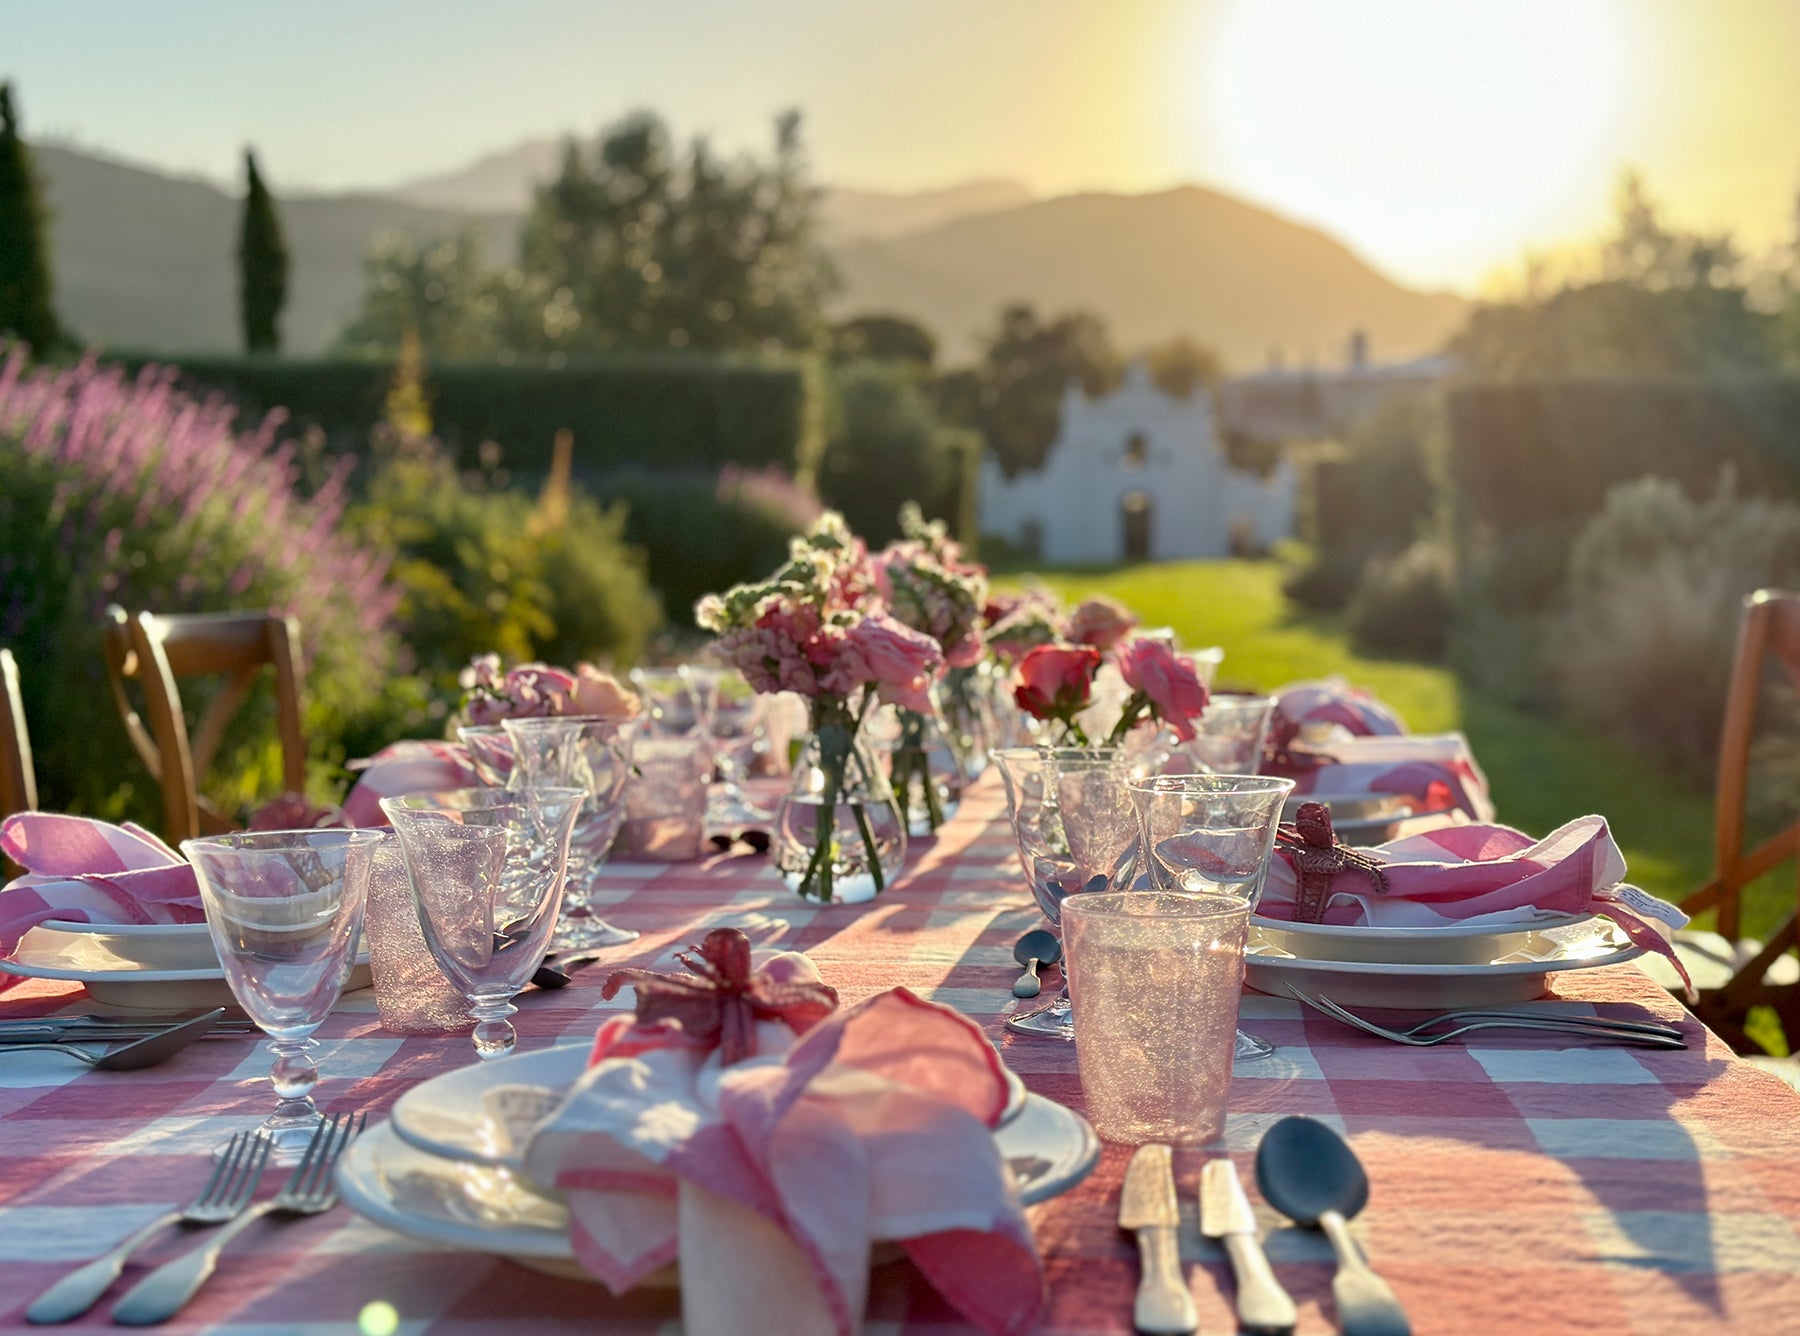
(403, 768)
(771, 1177)
(1313, 709)
(1436, 770)
(90, 872)
(1484, 874)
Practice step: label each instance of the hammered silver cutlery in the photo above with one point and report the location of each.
(1148, 1209)
(233, 1182)
(1429, 1032)
(310, 1189)
(1225, 1215)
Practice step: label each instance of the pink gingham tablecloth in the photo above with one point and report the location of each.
(1519, 1186)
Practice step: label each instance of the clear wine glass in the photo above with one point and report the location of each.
(1212, 834)
(491, 754)
(486, 871)
(731, 717)
(669, 700)
(593, 755)
(1077, 829)
(1228, 737)
(285, 908)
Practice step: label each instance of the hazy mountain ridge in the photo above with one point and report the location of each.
(147, 260)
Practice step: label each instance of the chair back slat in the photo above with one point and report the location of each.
(18, 777)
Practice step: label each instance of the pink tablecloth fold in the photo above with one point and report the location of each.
(89, 871)
(403, 768)
(874, 1125)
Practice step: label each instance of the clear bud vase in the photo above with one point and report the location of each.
(839, 837)
(924, 768)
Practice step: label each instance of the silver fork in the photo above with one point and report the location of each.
(308, 1191)
(1628, 1032)
(227, 1192)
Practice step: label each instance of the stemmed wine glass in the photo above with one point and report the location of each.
(669, 699)
(1228, 737)
(1212, 834)
(593, 755)
(1077, 830)
(731, 717)
(486, 871)
(491, 754)
(285, 908)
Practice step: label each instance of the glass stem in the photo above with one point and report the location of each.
(494, 1034)
(294, 1074)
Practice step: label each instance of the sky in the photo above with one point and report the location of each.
(1442, 139)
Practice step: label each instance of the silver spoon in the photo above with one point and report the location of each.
(146, 1052)
(1038, 947)
(1309, 1173)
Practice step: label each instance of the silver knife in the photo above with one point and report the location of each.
(1147, 1206)
(1225, 1214)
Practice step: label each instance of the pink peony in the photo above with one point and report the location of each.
(901, 663)
(1166, 680)
(1055, 681)
(1100, 622)
(599, 695)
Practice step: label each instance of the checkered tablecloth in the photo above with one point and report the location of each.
(1518, 1186)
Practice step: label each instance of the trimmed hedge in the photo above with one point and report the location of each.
(650, 412)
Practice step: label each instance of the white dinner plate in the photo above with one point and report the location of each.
(1519, 975)
(455, 1204)
(482, 1114)
(160, 946)
(1444, 944)
(128, 984)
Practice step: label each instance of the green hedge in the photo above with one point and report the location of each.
(668, 412)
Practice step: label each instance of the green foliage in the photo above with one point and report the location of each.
(262, 265)
(887, 446)
(25, 309)
(1179, 366)
(444, 293)
(883, 338)
(1403, 603)
(667, 412)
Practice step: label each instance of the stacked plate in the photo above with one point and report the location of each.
(1429, 969)
(446, 1169)
(135, 966)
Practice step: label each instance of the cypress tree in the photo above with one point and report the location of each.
(24, 256)
(262, 265)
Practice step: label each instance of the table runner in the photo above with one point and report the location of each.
(1517, 1185)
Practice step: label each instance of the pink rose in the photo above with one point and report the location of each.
(902, 663)
(1055, 681)
(1100, 622)
(538, 689)
(1168, 681)
(599, 694)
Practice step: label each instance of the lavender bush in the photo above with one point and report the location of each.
(130, 491)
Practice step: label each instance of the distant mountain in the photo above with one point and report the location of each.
(146, 260)
(1241, 279)
(500, 182)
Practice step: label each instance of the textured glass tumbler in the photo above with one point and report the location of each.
(485, 869)
(1212, 834)
(1155, 978)
(412, 995)
(665, 804)
(284, 908)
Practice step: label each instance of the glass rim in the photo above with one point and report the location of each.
(1205, 905)
(1213, 785)
(536, 720)
(476, 798)
(1240, 700)
(245, 841)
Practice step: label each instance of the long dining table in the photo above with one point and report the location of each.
(1519, 1183)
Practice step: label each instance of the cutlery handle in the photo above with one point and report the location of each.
(1028, 983)
(1262, 1304)
(81, 1289)
(161, 1294)
(1365, 1305)
(1164, 1307)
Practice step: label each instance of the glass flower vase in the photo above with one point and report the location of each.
(839, 837)
(925, 770)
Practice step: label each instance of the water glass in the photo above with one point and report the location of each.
(593, 755)
(485, 869)
(412, 995)
(669, 700)
(1228, 737)
(285, 908)
(1155, 977)
(666, 801)
(731, 717)
(490, 753)
(1212, 834)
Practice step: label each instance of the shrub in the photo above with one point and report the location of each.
(1403, 604)
(133, 492)
(1655, 585)
(1324, 583)
(887, 446)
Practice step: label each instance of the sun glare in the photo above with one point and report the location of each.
(1431, 136)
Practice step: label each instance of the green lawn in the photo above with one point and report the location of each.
(1542, 773)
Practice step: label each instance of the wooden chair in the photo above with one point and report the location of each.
(18, 778)
(157, 652)
(1732, 973)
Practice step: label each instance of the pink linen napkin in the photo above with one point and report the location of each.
(1436, 770)
(1306, 710)
(403, 768)
(1486, 874)
(771, 1177)
(90, 872)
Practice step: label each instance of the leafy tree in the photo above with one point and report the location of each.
(262, 264)
(886, 446)
(1015, 400)
(1180, 366)
(444, 292)
(25, 309)
(884, 338)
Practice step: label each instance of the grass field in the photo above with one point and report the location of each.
(1541, 772)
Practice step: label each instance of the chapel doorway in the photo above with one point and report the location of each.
(1134, 518)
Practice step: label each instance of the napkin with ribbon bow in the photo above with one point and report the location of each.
(90, 871)
(1476, 874)
(771, 1175)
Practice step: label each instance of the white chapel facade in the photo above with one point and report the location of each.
(1137, 475)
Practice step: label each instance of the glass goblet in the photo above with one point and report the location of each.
(593, 755)
(285, 908)
(1212, 835)
(491, 754)
(486, 873)
(1072, 814)
(731, 716)
(669, 700)
(1228, 737)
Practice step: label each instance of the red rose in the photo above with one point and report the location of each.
(1167, 680)
(1055, 680)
